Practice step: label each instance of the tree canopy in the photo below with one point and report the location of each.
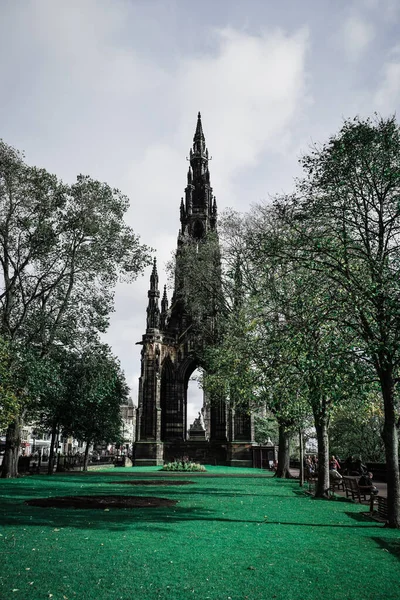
(62, 250)
(319, 279)
(95, 390)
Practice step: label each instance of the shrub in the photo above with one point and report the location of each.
(180, 465)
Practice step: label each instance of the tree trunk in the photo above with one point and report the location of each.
(321, 426)
(301, 449)
(282, 470)
(13, 442)
(391, 440)
(86, 456)
(50, 466)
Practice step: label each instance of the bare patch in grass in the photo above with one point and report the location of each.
(150, 482)
(101, 502)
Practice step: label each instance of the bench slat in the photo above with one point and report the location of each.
(382, 507)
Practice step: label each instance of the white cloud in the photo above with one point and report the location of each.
(387, 96)
(395, 51)
(388, 10)
(109, 89)
(100, 103)
(112, 89)
(249, 91)
(356, 36)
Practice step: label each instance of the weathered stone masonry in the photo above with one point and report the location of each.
(170, 354)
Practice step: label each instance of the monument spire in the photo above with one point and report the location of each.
(153, 311)
(164, 309)
(175, 339)
(199, 135)
(198, 215)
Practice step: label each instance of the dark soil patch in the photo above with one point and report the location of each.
(102, 502)
(150, 482)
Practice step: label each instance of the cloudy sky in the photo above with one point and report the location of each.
(111, 88)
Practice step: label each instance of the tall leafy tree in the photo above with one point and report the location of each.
(62, 249)
(312, 361)
(245, 361)
(9, 400)
(96, 389)
(26, 376)
(356, 428)
(52, 395)
(346, 218)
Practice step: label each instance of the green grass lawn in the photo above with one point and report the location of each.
(234, 538)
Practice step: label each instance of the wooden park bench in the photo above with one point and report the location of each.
(356, 491)
(336, 484)
(382, 508)
(310, 479)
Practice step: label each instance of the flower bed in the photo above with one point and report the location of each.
(180, 465)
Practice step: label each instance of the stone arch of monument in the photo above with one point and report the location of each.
(170, 355)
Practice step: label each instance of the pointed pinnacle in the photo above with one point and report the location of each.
(154, 276)
(164, 301)
(199, 129)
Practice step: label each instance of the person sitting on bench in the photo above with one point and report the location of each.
(358, 468)
(366, 481)
(334, 467)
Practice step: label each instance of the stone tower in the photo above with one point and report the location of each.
(170, 353)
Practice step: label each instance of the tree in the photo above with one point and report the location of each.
(242, 355)
(245, 360)
(356, 429)
(331, 375)
(311, 361)
(96, 389)
(346, 218)
(9, 401)
(27, 376)
(62, 249)
(265, 428)
(51, 397)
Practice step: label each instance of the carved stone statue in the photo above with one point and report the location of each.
(196, 430)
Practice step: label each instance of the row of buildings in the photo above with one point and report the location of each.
(36, 441)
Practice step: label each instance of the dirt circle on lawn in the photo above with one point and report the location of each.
(151, 482)
(101, 502)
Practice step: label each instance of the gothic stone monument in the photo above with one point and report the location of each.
(170, 354)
